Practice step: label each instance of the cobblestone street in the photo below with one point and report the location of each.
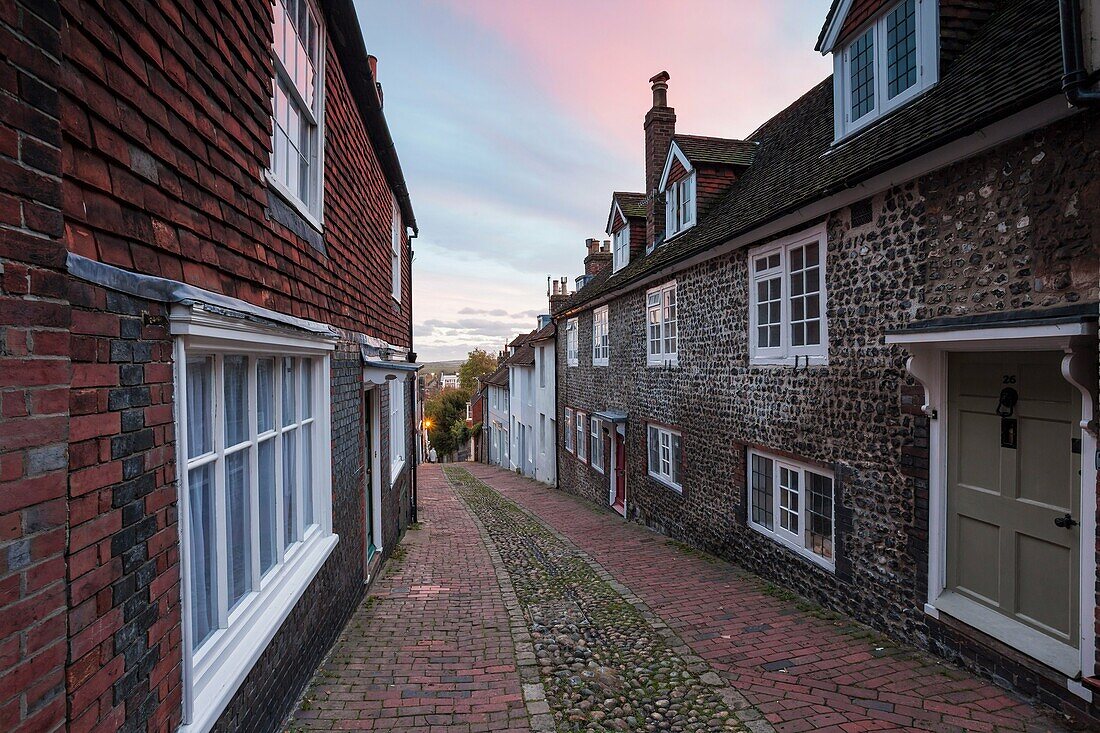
(516, 607)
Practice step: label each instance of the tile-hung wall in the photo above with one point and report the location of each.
(938, 245)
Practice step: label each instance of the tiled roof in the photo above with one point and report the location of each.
(828, 22)
(632, 204)
(546, 332)
(718, 150)
(499, 378)
(524, 356)
(520, 339)
(1013, 62)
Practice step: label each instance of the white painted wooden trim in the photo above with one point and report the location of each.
(221, 332)
(835, 24)
(928, 365)
(674, 152)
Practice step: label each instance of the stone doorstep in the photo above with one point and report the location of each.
(538, 710)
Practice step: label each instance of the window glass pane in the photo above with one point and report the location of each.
(819, 514)
(265, 395)
(805, 280)
(200, 405)
(307, 474)
(762, 490)
(307, 388)
(269, 537)
(861, 65)
(289, 407)
(235, 381)
(238, 525)
(901, 48)
(204, 566)
(654, 451)
(290, 485)
(788, 499)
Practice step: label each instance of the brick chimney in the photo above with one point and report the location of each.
(559, 293)
(598, 257)
(660, 126)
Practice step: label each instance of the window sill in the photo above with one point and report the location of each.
(221, 670)
(292, 214)
(667, 364)
(666, 483)
(599, 362)
(395, 471)
(800, 360)
(802, 552)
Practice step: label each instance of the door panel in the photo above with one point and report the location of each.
(1009, 478)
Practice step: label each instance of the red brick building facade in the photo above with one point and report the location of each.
(179, 271)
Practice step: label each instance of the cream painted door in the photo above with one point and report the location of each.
(1005, 550)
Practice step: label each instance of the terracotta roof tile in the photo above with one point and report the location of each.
(718, 150)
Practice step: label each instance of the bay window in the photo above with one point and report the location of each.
(665, 456)
(680, 205)
(571, 343)
(255, 494)
(887, 64)
(297, 138)
(661, 325)
(792, 502)
(601, 346)
(787, 321)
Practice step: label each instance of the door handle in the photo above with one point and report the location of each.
(1066, 522)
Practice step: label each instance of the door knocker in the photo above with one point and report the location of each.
(1006, 405)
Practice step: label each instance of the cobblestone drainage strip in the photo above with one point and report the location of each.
(592, 656)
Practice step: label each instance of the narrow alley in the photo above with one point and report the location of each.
(517, 607)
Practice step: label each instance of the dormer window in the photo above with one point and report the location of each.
(620, 248)
(680, 205)
(886, 64)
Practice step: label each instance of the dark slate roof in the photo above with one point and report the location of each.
(499, 378)
(723, 151)
(522, 338)
(598, 282)
(632, 204)
(1013, 62)
(524, 356)
(546, 332)
(828, 22)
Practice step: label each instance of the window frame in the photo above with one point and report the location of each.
(595, 444)
(792, 541)
(314, 214)
(678, 218)
(601, 337)
(620, 247)
(662, 357)
(572, 342)
(674, 437)
(927, 60)
(570, 437)
(397, 425)
(396, 245)
(581, 427)
(213, 673)
(785, 353)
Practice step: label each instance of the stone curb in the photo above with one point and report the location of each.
(752, 718)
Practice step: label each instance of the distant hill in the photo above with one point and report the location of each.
(436, 367)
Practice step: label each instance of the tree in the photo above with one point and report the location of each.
(479, 363)
(447, 411)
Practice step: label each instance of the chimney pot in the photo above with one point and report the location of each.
(660, 89)
(592, 245)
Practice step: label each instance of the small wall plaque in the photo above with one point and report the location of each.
(1008, 432)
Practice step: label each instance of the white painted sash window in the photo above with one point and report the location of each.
(620, 250)
(397, 427)
(601, 339)
(297, 139)
(569, 429)
(886, 65)
(661, 325)
(582, 437)
(792, 502)
(571, 343)
(395, 252)
(680, 205)
(787, 301)
(665, 456)
(595, 451)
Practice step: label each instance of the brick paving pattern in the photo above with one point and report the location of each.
(430, 650)
(806, 670)
(605, 663)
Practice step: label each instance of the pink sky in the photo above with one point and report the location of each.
(515, 119)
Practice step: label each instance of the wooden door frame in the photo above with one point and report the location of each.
(373, 418)
(928, 365)
(613, 470)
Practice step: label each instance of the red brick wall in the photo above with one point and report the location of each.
(167, 136)
(710, 183)
(34, 374)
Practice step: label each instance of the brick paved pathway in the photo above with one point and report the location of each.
(804, 670)
(430, 650)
